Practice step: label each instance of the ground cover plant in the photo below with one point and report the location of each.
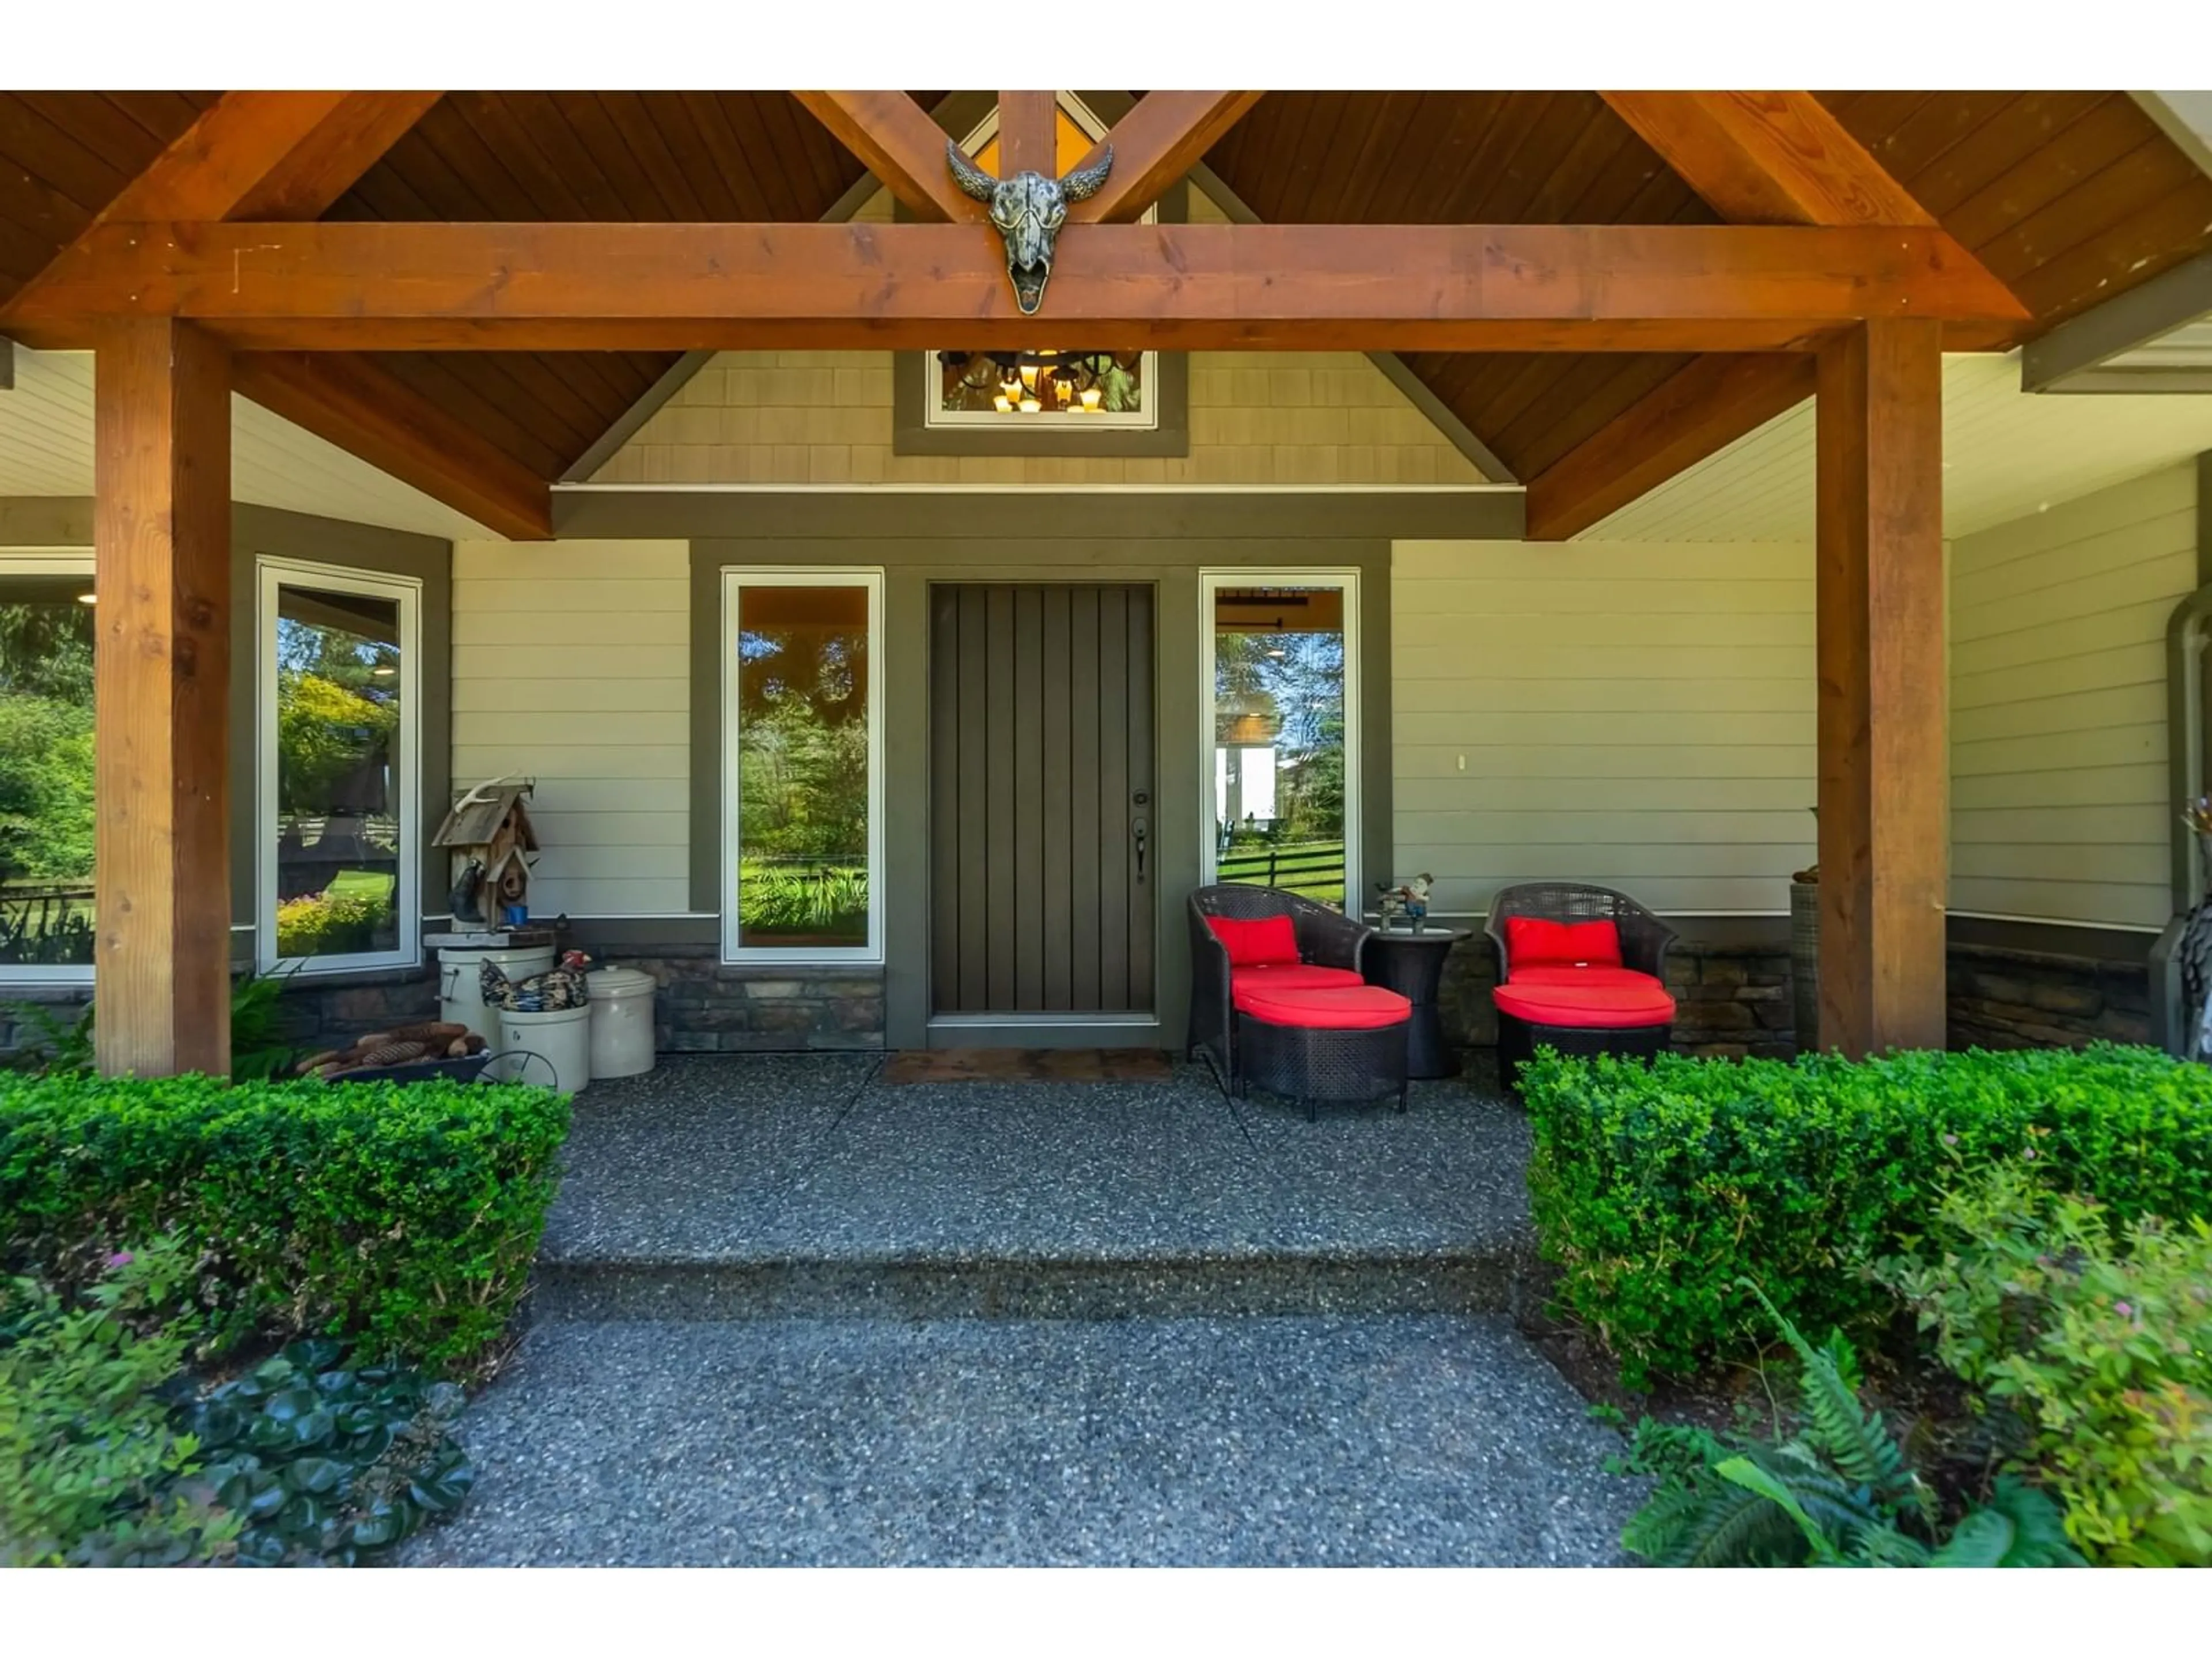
(1655, 1189)
(1836, 1492)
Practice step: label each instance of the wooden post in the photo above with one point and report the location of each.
(1028, 134)
(161, 694)
(1884, 766)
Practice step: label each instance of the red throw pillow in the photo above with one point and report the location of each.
(1533, 942)
(1259, 944)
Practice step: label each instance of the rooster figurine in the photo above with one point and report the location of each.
(563, 986)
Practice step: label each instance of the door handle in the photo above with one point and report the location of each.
(1139, 829)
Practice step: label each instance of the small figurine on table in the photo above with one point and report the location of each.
(1405, 899)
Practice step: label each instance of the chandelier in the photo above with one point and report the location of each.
(1028, 382)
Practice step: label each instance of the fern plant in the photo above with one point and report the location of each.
(1839, 1493)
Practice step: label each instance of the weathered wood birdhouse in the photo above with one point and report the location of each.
(488, 836)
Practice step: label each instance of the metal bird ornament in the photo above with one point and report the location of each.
(1027, 210)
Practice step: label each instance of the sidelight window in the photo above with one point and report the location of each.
(802, 703)
(46, 814)
(338, 798)
(1280, 686)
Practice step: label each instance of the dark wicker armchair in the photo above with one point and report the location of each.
(1645, 942)
(1326, 937)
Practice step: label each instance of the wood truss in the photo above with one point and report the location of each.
(213, 270)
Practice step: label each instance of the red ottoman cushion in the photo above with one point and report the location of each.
(1273, 976)
(1614, 998)
(1352, 1008)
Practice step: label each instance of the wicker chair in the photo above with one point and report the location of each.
(1645, 942)
(1326, 937)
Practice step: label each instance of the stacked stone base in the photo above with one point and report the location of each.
(2004, 998)
(706, 1006)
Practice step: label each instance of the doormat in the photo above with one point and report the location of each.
(1029, 1066)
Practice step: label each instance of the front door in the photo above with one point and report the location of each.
(1044, 834)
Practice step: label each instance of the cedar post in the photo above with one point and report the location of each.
(1883, 764)
(1028, 134)
(162, 687)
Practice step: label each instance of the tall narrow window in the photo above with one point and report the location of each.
(338, 807)
(1281, 682)
(802, 766)
(46, 767)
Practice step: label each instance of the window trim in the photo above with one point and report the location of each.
(1210, 580)
(50, 562)
(271, 572)
(734, 578)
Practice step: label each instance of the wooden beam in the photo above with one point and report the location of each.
(349, 400)
(1768, 158)
(1156, 144)
(1445, 288)
(269, 155)
(1773, 158)
(1029, 133)
(899, 143)
(161, 699)
(1697, 412)
(1884, 759)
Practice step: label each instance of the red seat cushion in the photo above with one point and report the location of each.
(1349, 1008)
(1257, 942)
(1273, 976)
(1533, 942)
(1595, 999)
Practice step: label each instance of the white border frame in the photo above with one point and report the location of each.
(49, 562)
(1210, 580)
(269, 574)
(735, 578)
(936, 417)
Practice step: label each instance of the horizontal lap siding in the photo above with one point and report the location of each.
(1637, 715)
(2059, 738)
(572, 665)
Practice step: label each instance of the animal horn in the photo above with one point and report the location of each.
(1085, 181)
(966, 174)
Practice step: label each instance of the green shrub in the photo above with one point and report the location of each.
(91, 1457)
(2098, 1337)
(406, 1215)
(1656, 1189)
(1837, 1493)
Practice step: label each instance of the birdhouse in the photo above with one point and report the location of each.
(489, 840)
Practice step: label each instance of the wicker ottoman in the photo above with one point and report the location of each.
(1604, 1010)
(1346, 1043)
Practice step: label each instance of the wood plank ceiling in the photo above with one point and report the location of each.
(2068, 197)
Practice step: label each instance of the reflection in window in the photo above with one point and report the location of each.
(46, 770)
(803, 670)
(1098, 388)
(338, 727)
(1278, 737)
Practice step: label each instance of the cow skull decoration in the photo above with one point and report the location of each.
(1029, 210)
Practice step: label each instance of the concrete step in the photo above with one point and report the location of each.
(1300, 1441)
(1500, 1274)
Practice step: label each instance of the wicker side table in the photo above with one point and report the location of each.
(1413, 965)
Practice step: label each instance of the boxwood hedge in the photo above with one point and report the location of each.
(406, 1217)
(1655, 1189)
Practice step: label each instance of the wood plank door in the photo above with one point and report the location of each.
(1044, 826)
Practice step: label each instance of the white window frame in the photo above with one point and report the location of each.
(735, 579)
(1148, 419)
(48, 561)
(272, 573)
(1211, 581)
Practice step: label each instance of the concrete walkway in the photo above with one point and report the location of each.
(788, 1313)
